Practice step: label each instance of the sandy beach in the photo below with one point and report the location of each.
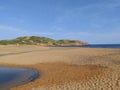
(66, 68)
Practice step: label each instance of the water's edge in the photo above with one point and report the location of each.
(13, 77)
(93, 46)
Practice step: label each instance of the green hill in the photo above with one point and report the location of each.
(42, 41)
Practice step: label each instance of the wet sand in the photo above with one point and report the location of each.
(66, 68)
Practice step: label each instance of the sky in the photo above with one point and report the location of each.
(92, 21)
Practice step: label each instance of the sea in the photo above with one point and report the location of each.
(102, 46)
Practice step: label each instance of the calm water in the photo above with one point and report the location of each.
(93, 46)
(12, 77)
(103, 46)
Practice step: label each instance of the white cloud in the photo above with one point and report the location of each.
(42, 33)
(12, 29)
(92, 37)
(8, 32)
(98, 10)
(102, 7)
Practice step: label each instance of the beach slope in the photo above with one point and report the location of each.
(66, 68)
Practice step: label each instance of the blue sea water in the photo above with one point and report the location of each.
(102, 46)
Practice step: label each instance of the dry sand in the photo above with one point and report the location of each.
(66, 68)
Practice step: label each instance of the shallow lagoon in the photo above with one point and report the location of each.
(12, 77)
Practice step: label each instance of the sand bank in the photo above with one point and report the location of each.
(67, 68)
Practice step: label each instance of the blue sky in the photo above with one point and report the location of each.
(93, 21)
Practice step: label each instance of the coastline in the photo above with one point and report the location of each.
(61, 68)
(14, 76)
(49, 79)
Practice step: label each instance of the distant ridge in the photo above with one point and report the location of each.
(42, 41)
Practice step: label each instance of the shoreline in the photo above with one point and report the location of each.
(20, 75)
(95, 70)
(71, 68)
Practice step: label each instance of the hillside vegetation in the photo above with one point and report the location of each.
(43, 41)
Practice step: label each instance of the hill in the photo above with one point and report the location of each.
(42, 41)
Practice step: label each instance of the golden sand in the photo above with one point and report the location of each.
(66, 68)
